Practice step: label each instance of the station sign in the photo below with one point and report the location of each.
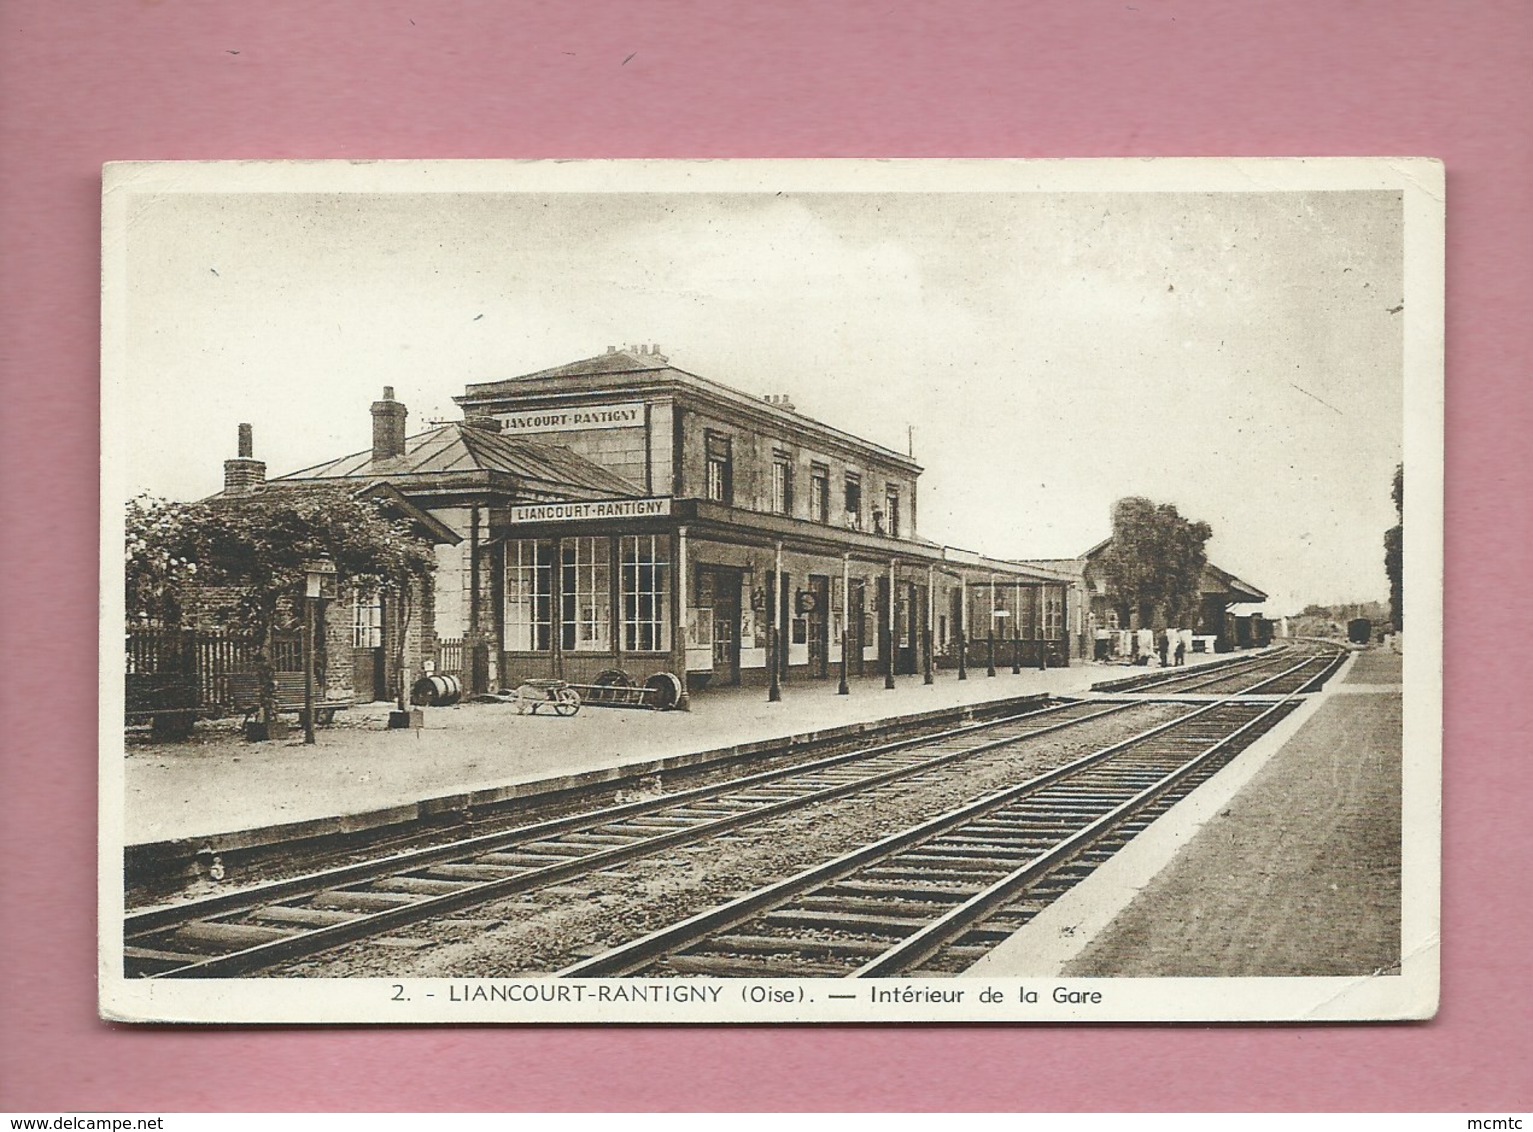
(628, 414)
(592, 509)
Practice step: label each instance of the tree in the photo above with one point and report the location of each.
(1154, 562)
(1394, 552)
(247, 555)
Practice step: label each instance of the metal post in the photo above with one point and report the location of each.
(308, 669)
(1016, 630)
(684, 701)
(846, 618)
(889, 652)
(774, 636)
(929, 676)
(963, 626)
(1043, 644)
(990, 638)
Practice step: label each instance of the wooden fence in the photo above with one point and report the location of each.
(449, 656)
(182, 670)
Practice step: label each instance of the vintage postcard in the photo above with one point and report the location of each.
(771, 591)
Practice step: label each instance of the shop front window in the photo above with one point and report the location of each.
(585, 588)
(529, 594)
(646, 594)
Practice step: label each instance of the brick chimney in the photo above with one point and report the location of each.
(388, 426)
(243, 475)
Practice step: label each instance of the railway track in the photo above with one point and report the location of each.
(245, 931)
(1283, 672)
(933, 898)
(251, 930)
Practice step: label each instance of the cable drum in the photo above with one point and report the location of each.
(666, 687)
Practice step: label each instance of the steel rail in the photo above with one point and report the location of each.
(955, 922)
(1215, 670)
(636, 954)
(157, 919)
(1248, 690)
(365, 924)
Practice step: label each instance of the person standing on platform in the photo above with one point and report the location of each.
(1163, 645)
(1181, 651)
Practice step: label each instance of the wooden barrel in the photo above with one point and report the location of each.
(437, 691)
(666, 688)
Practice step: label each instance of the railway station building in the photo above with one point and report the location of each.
(619, 512)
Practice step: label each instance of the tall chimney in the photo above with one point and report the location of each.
(388, 426)
(243, 475)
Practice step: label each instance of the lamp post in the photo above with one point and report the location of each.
(889, 652)
(319, 583)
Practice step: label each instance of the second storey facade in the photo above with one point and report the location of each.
(676, 434)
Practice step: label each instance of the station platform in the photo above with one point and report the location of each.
(1286, 863)
(217, 789)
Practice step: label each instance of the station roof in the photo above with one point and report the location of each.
(459, 448)
(381, 491)
(1236, 591)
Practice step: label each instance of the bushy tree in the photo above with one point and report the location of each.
(1154, 562)
(253, 549)
(1394, 552)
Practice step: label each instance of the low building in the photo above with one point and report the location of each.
(1220, 592)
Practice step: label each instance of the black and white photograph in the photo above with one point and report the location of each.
(771, 591)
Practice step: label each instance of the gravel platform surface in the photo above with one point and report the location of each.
(1299, 874)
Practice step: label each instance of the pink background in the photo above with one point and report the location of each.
(91, 81)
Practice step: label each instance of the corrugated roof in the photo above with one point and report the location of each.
(459, 447)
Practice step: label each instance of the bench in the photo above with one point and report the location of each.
(287, 688)
(165, 700)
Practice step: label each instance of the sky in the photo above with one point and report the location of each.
(1237, 354)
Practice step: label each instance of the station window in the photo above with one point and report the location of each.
(646, 594)
(819, 493)
(719, 452)
(854, 501)
(585, 591)
(529, 594)
(782, 483)
(367, 620)
(1053, 614)
(1027, 613)
(892, 509)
